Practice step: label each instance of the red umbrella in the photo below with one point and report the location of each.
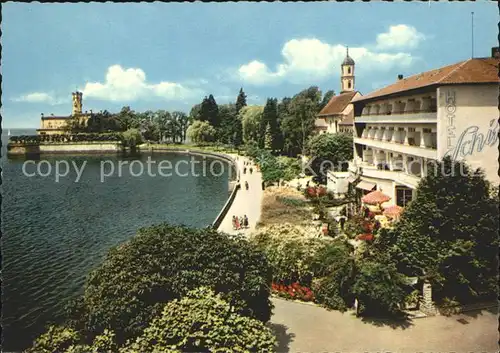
(393, 211)
(375, 198)
(365, 236)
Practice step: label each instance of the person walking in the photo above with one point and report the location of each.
(251, 170)
(246, 185)
(342, 222)
(244, 170)
(245, 221)
(241, 221)
(237, 223)
(234, 222)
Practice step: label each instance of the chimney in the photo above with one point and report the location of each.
(495, 53)
(400, 77)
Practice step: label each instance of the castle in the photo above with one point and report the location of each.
(52, 125)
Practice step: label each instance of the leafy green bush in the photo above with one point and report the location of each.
(163, 263)
(288, 256)
(59, 339)
(379, 288)
(333, 268)
(203, 322)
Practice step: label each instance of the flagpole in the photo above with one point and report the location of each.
(472, 35)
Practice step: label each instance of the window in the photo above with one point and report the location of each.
(403, 195)
(349, 84)
(411, 129)
(349, 70)
(426, 130)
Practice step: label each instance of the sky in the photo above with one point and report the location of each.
(169, 56)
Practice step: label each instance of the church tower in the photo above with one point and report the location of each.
(347, 74)
(77, 103)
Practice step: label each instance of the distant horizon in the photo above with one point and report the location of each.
(169, 56)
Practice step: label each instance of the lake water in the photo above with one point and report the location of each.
(54, 233)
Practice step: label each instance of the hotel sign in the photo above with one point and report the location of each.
(451, 108)
(470, 140)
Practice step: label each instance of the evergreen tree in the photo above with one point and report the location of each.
(204, 111)
(270, 117)
(213, 112)
(298, 126)
(268, 140)
(326, 98)
(241, 101)
(228, 121)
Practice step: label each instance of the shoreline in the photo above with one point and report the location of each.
(96, 148)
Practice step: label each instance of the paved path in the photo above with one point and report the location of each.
(306, 328)
(247, 202)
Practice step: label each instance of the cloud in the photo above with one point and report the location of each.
(38, 97)
(399, 37)
(308, 59)
(130, 85)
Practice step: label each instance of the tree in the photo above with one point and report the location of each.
(270, 117)
(201, 132)
(283, 109)
(241, 101)
(176, 126)
(195, 113)
(449, 233)
(163, 263)
(183, 123)
(209, 111)
(326, 98)
(228, 118)
(268, 138)
(330, 150)
(132, 138)
(379, 287)
(299, 124)
(203, 322)
(149, 128)
(127, 119)
(251, 117)
(162, 118)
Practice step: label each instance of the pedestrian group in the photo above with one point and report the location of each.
(240, 222)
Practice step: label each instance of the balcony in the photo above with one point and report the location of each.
(428, 153)
(372, 171)
(420, 117)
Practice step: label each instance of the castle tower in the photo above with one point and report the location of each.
(347, 74)
(77, 103)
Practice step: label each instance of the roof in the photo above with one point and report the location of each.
(348, 60)
(337, 104)
(348, 120)
(472, 71)
(320, 123)
(50, 117)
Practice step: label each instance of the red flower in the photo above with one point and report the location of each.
(295, 285)
(321, 191)
(311, 191)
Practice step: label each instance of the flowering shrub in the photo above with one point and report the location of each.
(293, 291)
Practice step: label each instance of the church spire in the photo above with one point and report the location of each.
(347, 73)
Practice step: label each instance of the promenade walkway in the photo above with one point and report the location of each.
(247, 202)
(307, 328)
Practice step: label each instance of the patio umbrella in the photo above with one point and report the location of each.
(375, 198)
(393, 211)
(365, 236)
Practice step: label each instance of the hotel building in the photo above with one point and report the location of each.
(450, 111)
